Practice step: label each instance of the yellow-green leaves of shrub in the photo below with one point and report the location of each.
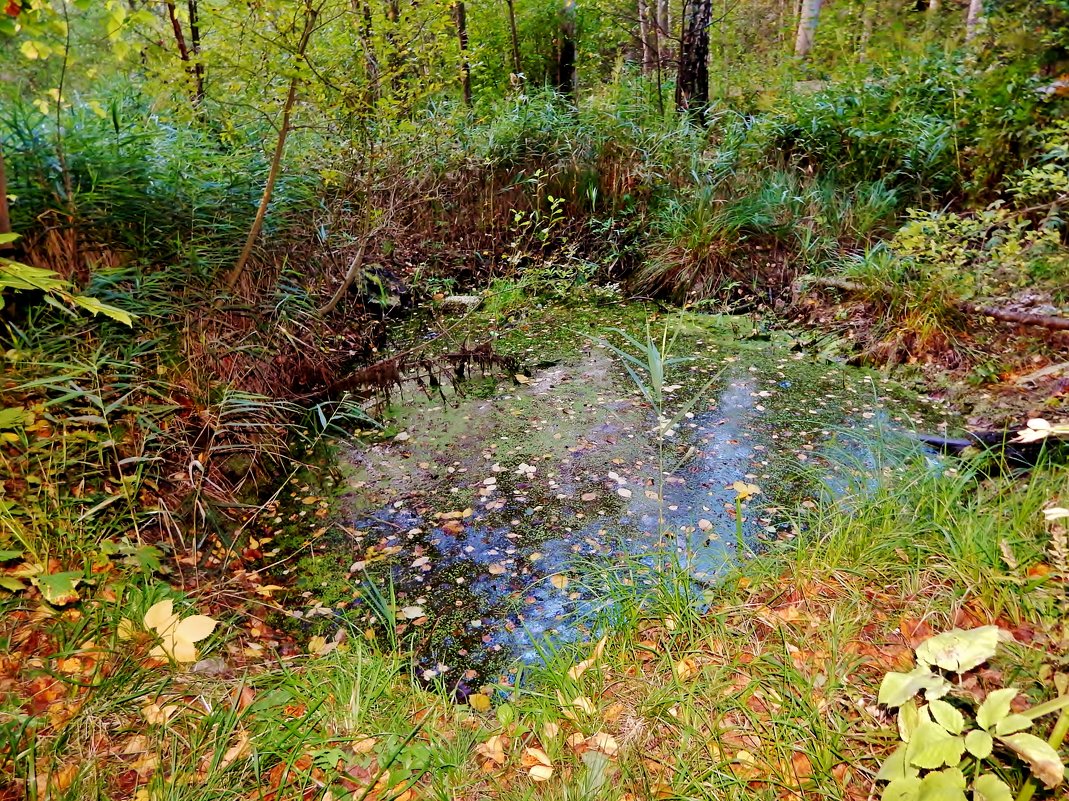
(178, 636)
(939, 746)
(57, 291)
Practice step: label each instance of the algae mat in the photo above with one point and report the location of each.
(520, 511)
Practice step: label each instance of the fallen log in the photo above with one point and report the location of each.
(1002, 315)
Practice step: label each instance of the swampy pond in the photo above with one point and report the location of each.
(522, 510)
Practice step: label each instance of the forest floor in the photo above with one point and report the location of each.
(832, 564)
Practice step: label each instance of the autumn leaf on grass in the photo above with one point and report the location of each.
(538, 764)
(177, 636)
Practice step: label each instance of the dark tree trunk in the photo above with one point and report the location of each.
(194, 50)
(692, 84)
(517, 65)
(393, 61)
(566, 56)
(460, 15)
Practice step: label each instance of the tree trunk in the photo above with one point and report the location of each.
(692, 83)
(362, 10)
(232, 278)
(664, 31)
(807, 27)
(972, 21)
(868, 22)
(5, 213)
(644, 37)
(461, 18)
(393, 59)
(517, 64)
(194, 50)
(566, 58)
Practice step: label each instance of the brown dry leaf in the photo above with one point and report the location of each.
(576, 740)
(541, 773)
(493, 750)
(559, 580)
(157, 715)
(535, 756)
(363, 745)
(576, 671)
(238, 751)
(601, 741)
(584, 704)
(686, 668)
(550, 731)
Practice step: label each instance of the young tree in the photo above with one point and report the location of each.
(566, 54)
(807, 27)
(460, 16)
(310, 13)
(972, 21)
(692, 82)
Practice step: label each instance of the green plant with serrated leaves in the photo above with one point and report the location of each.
(942, 751)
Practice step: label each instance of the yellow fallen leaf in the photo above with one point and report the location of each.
(559, 580)
(479, 702)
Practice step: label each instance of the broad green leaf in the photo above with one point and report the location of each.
(1042, 758)
(947, 716)
(907, 789)
(979, 743)
(989, 787)
(896, 767)
(7, 239)
(995, 707)
(11, 584)
(95, 307)
(8, 555)
(931, 747)
(14, 417)
(897, 688)
(1011, 724)
(959, 650)
(58, 589)
(908, 720)
(943, 785)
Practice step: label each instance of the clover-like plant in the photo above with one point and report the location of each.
(941, 747)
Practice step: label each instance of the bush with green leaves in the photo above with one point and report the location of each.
(946, 747)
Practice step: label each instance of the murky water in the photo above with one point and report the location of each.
(496, 521)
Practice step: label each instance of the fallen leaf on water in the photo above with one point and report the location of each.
(496, 569)
(559, 580)
(412, 612)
